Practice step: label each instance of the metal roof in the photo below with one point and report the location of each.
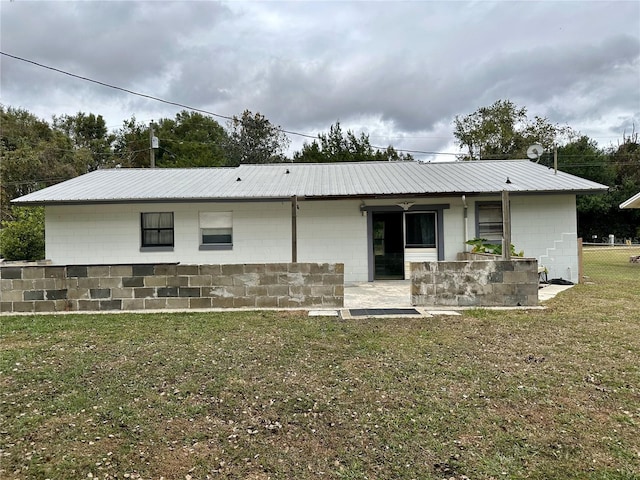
(317, 180)
(633, 202)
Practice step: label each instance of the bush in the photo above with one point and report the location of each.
(482, 245)
(23, 238)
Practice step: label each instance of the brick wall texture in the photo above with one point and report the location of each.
(53, 288)
(475, 283)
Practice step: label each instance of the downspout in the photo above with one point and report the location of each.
(466, 223)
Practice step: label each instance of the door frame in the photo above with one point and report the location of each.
(393, 236)
(369, 209)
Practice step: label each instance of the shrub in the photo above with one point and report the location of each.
(23, 237)
(482, 245)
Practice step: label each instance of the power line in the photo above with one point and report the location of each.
(207, 112)
(104, 84)
(139, 94)
(188, 107)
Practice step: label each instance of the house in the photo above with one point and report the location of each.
(633, 202)
(374, 217)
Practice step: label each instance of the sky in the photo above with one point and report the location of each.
(399, 71)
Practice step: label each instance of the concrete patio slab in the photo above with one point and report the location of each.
(443, 312)
(396, 294)
(324, 313)
(547, 292)
(381, 294)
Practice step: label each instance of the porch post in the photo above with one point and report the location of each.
(506, 226)
(294, 229)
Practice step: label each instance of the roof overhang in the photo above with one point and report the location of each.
(633, 202)
(130, 201)
(121, 201)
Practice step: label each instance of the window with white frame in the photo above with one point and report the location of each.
(489, 221)
(156, 230)
(216, 230)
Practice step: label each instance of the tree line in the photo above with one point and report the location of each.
(35, 153)
(504, 130)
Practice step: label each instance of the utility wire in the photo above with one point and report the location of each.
(181, 105)
(132, 92)
(188, 107)
(87, 79)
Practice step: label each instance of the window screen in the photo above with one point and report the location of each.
(489, 217)
(216, 228)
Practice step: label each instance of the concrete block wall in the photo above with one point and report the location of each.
(338, 236)
(53, 288)
(546, 229)
(475, 283)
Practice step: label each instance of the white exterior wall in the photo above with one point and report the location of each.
(104, 234)
(454, 228)
(328, 231)
(334, 231)
(545, 228)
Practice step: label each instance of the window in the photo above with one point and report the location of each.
(420, 230)
(157, 229)
(216, 231)
(489, 221)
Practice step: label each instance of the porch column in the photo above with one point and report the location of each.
(294, 229)
(506, 226)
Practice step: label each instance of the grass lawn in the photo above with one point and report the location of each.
(509, 394)
(603, 261)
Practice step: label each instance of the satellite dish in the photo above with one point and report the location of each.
(535, 151)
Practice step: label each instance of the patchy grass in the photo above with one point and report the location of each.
(491, 394)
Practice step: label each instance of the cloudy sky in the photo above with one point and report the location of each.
(399, 71)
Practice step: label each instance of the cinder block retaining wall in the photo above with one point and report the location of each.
(55, 288)
(475, 283)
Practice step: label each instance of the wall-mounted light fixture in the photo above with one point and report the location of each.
(405, 205)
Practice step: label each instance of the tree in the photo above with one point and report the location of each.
(627, 158)
(337, 146)
(32, 156)
(23, 238)
(191, 140)
(254, 139)
(583, 157)
(619, 168)
(503, 131)
(89, 136)
(627, 183)
(131, 144)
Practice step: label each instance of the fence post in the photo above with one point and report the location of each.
(580, 262)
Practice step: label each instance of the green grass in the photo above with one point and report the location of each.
(489, 395)
(602, 262)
